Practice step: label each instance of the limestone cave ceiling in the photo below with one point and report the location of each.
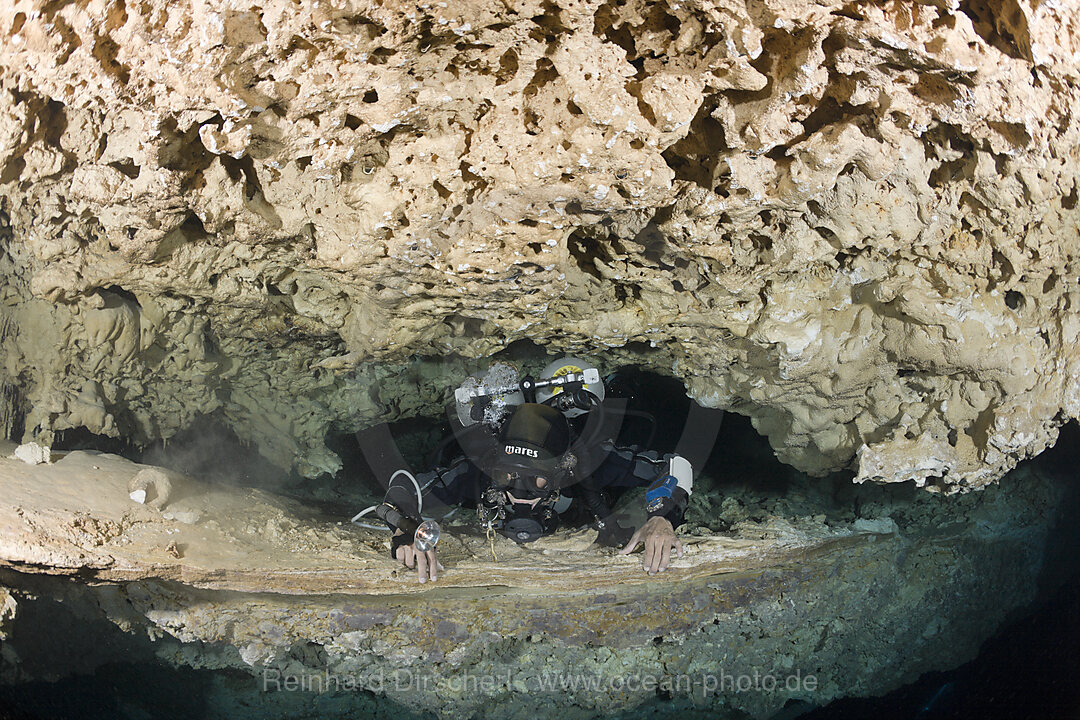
(855, 222)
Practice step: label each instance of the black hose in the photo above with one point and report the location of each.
(594, 501)
(599, 428)
(435, 456)
(652, 424)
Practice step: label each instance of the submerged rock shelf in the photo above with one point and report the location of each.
(305, 598)
(75, 517)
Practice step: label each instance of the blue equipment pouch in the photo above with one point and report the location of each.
(658, 495)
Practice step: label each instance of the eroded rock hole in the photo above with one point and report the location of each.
(997, 26)
(380, 56)
(697, 156)
(508, 67)
(184, 151)
(127, 167)
(114, 295)
(586, 251)
(1069, 201)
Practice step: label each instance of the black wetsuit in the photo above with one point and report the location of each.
(615, 469)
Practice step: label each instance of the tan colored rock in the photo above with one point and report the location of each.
(856, 223)
(151, 486)
(8, 608)
(32, 454)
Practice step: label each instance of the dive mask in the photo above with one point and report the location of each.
(524, 485)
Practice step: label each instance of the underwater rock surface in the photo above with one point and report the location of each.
(854, 222)
(785, 606)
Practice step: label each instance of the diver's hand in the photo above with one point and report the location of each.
(424, 562)
(659, 537)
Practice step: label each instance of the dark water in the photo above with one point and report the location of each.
(1031, 667)
(147, 691)
(1028, 670)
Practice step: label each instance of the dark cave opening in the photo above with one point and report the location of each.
(80, 438)
(653, 413)
(738, 476)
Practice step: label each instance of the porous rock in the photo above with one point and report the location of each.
(854, 222)
(151, 486)
(8, 607)
(32, 454)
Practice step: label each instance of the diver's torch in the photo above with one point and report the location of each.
(425, 533)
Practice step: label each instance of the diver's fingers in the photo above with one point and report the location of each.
(410, 556)
(421, 566)
(433, 564)
(649, 564)
(659, 547)
(678, 546)
(634, 540)
(665, 555)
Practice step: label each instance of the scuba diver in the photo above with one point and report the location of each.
(536, 455)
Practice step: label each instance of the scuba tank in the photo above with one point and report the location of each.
(568, 384)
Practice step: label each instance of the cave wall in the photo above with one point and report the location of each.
(855, 222)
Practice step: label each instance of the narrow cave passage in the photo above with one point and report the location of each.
(740, 479)
(96, 669)
(967, 566)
